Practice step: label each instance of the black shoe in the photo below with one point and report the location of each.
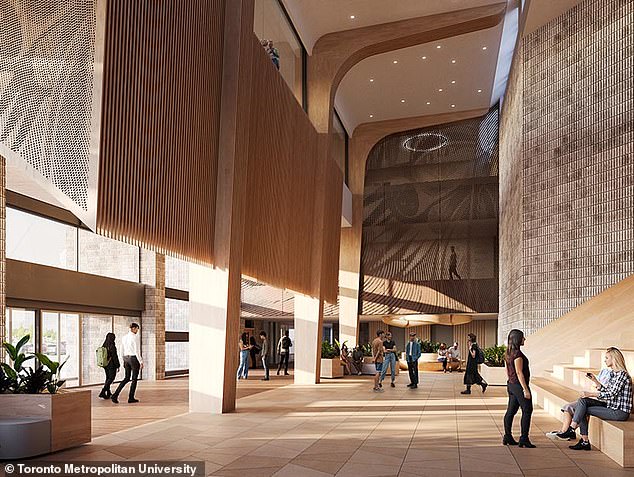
(380, 385)
(265, 379)
(484, 387)
(566, 436)
(466, 391)
(103, 396)
(526, 443)
(132, 401)
(410, 385)
(286, 374)
(509, 441)
(581, 445)
(278, 373)
(393, 385)
(413, 386)
(114, 399)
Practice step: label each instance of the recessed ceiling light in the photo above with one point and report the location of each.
(479, 91)
(453, 82)
(395, 61)
(438, 46)
(484, 47)
(428, 103)
(352, 17)
(402, 100)
(371, 115)
(371, 80)
(453, 61)
(453, 105)
(424, 57)
(440, 90)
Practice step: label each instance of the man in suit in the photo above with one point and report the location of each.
(412, 354)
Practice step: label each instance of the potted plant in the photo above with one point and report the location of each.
(494, 368)
(330, 361)
(367, 353)
(429, 351)
(36, 392)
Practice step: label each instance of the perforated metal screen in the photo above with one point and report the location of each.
(428, 191)
(49, 99)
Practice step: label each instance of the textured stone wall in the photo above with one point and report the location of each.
(153, 317)
(577, 165)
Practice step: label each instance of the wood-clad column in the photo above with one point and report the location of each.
(3, 253)
(215, 292)
(309, 315)
(152, 268)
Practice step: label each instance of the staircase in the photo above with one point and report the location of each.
(562, 353)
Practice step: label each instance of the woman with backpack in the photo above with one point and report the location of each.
(112, 364)
(475, 356)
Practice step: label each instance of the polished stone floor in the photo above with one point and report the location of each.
(342, 428)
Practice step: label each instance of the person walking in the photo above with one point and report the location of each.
(453, 264)
(378, 353)
(519, 376)
(284, 351)
(412, 354)
(245, 349)
(390, 359)
(132, 363)
(264, 353)
(112, 368)
(475, 356)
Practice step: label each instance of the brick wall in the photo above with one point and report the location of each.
(153, 317)
(577, 165)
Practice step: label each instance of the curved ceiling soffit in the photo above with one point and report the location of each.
(336, 53)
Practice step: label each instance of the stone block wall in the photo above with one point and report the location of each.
(577, 165)
(153, 317)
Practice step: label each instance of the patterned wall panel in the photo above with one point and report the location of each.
(50, 96)
(577, 171)
(161, 115)
(430, 220)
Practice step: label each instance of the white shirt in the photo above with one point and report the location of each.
(131, 346)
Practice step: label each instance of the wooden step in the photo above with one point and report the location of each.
(615, 439)
(574, 376)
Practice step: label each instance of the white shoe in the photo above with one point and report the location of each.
(552, 435)
(359, 373)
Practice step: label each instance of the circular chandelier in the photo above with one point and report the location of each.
(425, 142)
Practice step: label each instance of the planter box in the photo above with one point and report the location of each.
(68, 411)
(428, 358)
(494, 376)
(331, 368)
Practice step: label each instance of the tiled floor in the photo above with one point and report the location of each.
(342, 428)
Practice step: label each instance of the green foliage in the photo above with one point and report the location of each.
(494, 356)
(16, 379)
(367, 349)
(328, 351)
(427, 346)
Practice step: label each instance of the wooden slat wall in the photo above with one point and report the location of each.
(281, 189)
(478, 328)
(160, 121)
(423, 332)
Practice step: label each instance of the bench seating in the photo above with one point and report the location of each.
(614, 438)
(24, 437)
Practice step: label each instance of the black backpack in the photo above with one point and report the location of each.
(286, 342)
(479, 356)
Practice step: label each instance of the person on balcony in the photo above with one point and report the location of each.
(612, 401)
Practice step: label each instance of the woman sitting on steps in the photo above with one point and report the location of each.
(612, 401)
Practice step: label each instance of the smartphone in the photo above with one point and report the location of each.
(589, 375)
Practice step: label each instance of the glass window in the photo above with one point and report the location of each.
(60, 342)
(176, 356)
(279, 40)
(176, 315)
(107, 257)
(93, 333)
(20, 323)
(176, 273)
(339, 144)
(31, 238)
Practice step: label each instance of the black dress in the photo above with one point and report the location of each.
(471, 375)
(111, 370)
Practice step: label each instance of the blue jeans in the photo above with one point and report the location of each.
(586, 407)
(243, 369)
(390, 360)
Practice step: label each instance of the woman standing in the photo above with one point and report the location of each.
(244, 348)
(112, 368)
(474, 357)
(519, 375)
(442, 356)
(253, 351)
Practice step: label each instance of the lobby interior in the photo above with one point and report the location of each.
(326, 168)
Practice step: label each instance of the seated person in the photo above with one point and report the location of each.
(442, 356)
(357, 359)
(345, 359)
(453, 356)
(612, 401)
(569, 408)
